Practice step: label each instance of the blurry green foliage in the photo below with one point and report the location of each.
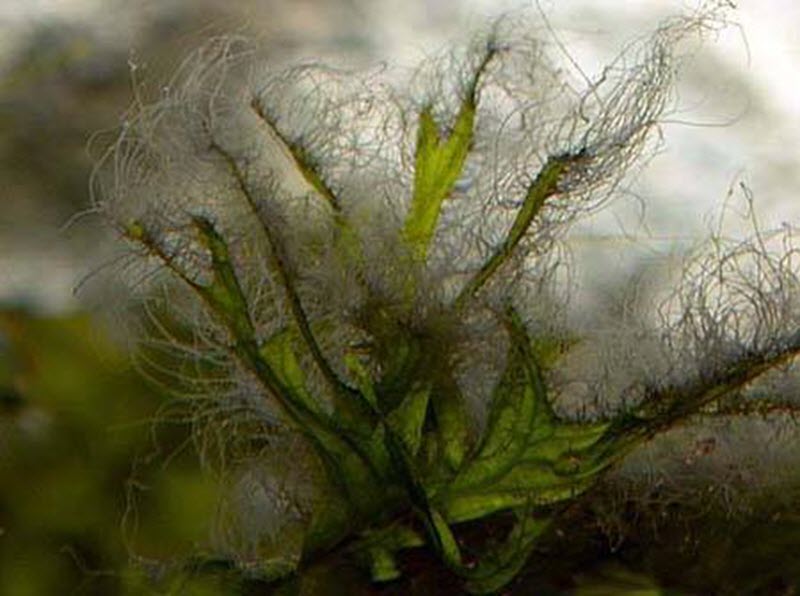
(74, 417)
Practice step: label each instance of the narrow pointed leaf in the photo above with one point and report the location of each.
(408, 419)
(347, 241)
(362, 378)
(224, 293)
(439, 162)
(543, 187)
(450, 552)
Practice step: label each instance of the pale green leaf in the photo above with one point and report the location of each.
(439, 161)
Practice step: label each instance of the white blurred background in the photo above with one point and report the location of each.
(65, 74)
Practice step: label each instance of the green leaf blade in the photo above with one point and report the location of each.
(439, 162)
(408, 419)
(520, 411)
(278, 352)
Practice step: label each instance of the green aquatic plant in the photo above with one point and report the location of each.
(365, 287)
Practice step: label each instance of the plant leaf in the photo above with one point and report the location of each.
(519, 411)
(439, 161)
(543, 187)
(526, 455)
(280, 355)
(362, 378)
(450, 552)
(452, 421)
(408, 418)
(559, 465)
